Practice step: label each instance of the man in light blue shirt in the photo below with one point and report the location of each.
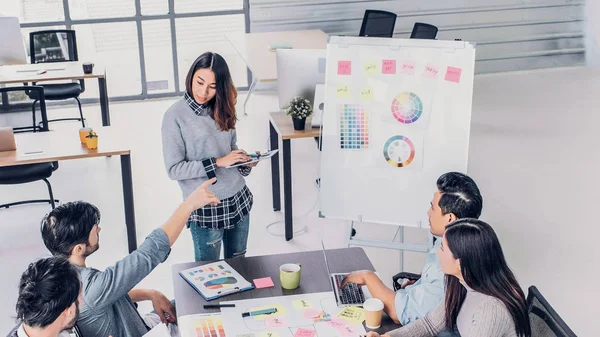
(457, 196)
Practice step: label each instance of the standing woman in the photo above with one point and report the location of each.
(199, 143)
(483, 298)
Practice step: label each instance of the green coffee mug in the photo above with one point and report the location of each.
(289, 275)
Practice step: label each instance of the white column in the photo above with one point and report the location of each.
(592, 33)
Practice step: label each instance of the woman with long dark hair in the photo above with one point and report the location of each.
(482, 298)
(200, 143)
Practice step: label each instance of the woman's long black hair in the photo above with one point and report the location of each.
(484, 269)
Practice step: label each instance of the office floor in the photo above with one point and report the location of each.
(533, 152)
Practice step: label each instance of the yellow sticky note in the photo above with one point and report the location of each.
(367, 94)
(302, 304)
(354, 315)
(343, 91)
(371, 68)
(269, 334)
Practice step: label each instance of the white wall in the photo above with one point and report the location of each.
(534, 151)
(592, 33)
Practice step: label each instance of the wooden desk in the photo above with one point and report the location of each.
(314, 277)
(253, 48)
(281, 127)
(43, 147)
(27, 73)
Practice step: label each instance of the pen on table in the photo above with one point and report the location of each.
(216, 306)
(260, 312)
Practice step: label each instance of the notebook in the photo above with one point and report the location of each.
(215, 280)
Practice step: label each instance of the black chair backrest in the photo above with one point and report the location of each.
(378, 23)
(53, 46)
(423, 31)
(544, 320)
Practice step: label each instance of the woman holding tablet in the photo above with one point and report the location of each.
(199, 143)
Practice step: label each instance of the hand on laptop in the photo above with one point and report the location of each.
(357, 277)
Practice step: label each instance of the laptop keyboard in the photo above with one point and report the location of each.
(351, 294)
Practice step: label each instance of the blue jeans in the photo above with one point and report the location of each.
(207, 242)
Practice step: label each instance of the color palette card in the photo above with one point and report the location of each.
(354, 127)
(215, 280)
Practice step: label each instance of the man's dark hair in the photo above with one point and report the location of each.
(460, 195)
(68, 225)
(47, 288)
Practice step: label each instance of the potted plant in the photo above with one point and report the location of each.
(299, 109)
(91, 140)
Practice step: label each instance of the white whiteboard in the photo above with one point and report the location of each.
(408, 101)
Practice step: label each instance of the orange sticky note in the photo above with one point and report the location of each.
(344, 68)
(265, 282)
(453, 74)
(388, 67)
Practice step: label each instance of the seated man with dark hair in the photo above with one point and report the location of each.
(457, 196)
(72, 230)
(49, 299)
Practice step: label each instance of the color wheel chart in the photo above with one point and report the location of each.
(407, 107)
(399, 151)
(208, 326)
(354, 127)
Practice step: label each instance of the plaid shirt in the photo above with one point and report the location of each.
(230, 211)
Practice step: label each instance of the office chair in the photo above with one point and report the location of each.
(36, 91)
(56, 46)
(378, 24)
(544, 320)
(423, 31)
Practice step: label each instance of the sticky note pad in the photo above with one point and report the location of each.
(431, 71)
(337, 323)
(348, 331)
(354, 315)
(367, 94)
(265, 282)
(301, 332)
(408, 67)
(302, 304)
(344, 68)
(342, 91)
(371, 68)
(388, 67)
(275, 322)
(453, 74)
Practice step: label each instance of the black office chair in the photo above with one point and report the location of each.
(378, 23)
(544, 320)
(37, 91)
(57, 46)
(424, 31)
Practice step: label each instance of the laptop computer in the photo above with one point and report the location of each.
(352, 294)
(7, 139)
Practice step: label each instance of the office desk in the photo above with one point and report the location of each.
(314, 277)
(44, 147)
(281, 126)
(58, 71)
(253, 48)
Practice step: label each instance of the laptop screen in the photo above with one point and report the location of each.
(327, 265)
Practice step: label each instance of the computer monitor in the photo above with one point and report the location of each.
(298, 73)
(12, 51)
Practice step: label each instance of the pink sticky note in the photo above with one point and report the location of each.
(337, 323)
(347, 331)
(312, 313)
(344, 67)
(453, 74)
(388, 67)
(431, 71)
(265, 282)
(275, 322)
(305, 333)
(408, 67)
